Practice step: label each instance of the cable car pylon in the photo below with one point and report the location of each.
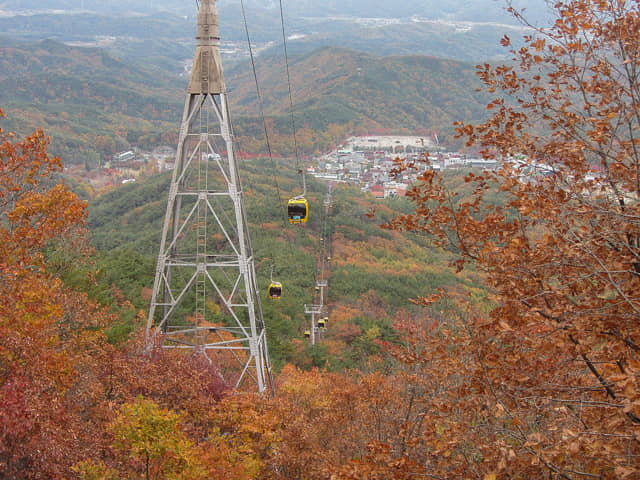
(205, 294)
(319, 310)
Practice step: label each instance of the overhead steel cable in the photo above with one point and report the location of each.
(264, 122)
(286, 61)
(260, 102)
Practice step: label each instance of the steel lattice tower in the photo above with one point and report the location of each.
(205, 294)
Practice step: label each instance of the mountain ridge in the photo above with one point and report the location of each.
(452, 9)
(452, 30)
(410, 93)
(110, 104)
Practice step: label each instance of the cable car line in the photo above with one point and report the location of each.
(318, 324)
(260, 102)
(297, 207)
(274, 291)
(293, 122)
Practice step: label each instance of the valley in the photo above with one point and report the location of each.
(116, 124)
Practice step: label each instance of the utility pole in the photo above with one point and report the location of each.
(205, 294)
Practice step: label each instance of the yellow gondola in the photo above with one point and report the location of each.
(307, 333)
(275, 290)
(321, 324)
(298, 210)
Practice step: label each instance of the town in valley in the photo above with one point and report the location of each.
(369, 162)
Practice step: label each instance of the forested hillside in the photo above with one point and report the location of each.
(373, 273)
(364, 93)
(90, 102)
(94, 105)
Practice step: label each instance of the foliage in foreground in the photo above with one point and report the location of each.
(60, 381)
(559, 355)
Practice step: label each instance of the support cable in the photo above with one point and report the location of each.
(260, 102)
(293, 122)
(266, 135)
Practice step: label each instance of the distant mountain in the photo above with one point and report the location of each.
(164, 29)
(94, 104)
(330, 85)
(455, 10)
(168, 39)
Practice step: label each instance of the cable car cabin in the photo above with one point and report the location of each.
(275, 290)
(307, 333)
(298, 210)
(321, 324)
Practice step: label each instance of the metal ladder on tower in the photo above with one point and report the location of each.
(201, 246)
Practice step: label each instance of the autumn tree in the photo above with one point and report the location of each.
(559, 353)
(35, 370)
(152, 438)
(61, 384)
(151, 444)
(321, 425)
